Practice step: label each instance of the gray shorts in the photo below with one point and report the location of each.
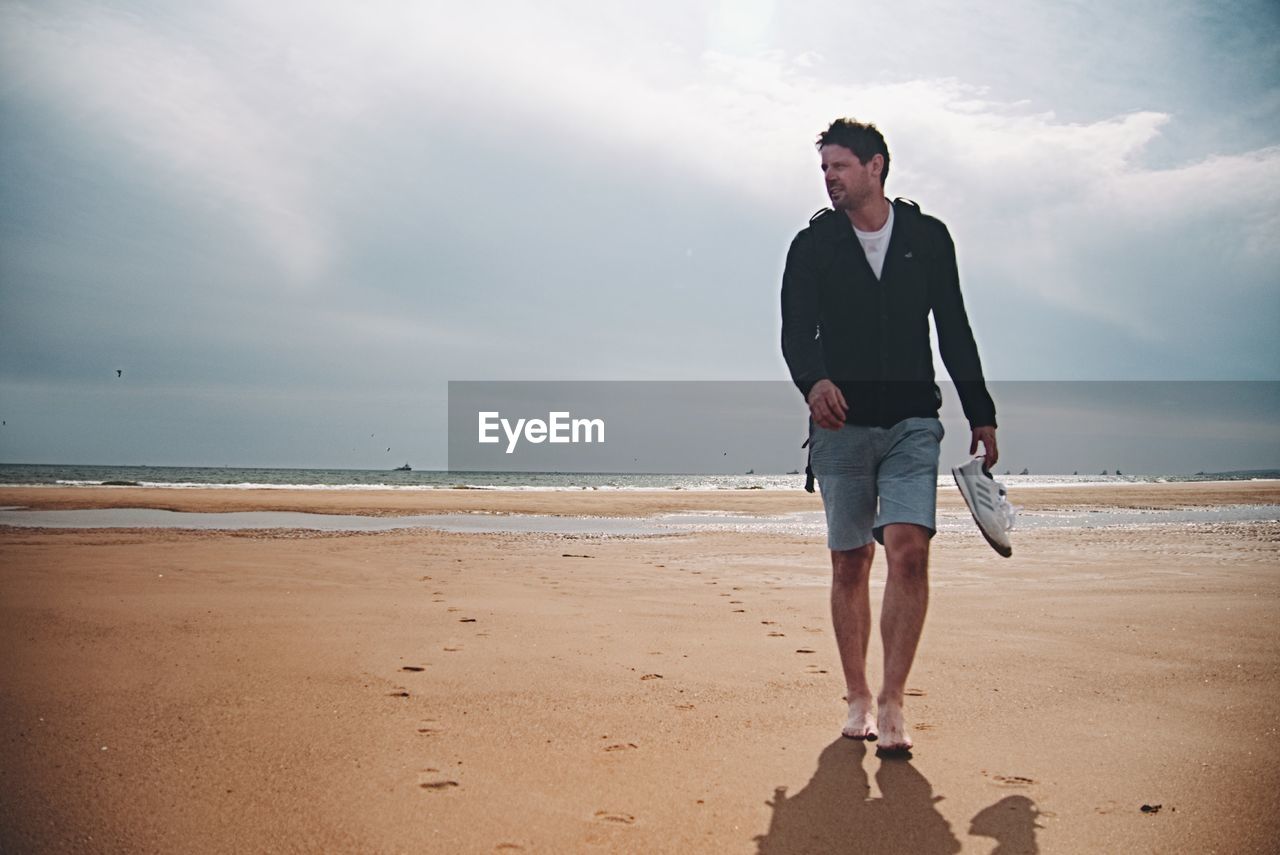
(857, 465)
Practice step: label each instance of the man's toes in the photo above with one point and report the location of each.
(860, 723)
(856, 730)
(896, 741)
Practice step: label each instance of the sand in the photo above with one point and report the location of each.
(185, 691)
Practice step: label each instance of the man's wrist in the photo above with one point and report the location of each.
(808, 393)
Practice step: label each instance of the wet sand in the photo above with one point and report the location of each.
(431, 691)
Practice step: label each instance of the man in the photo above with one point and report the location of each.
(859, 286)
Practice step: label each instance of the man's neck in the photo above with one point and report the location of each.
(870, 217)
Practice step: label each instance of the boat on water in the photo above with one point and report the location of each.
(404, 468)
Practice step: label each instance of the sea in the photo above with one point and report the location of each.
(803, 524)
(243, 478)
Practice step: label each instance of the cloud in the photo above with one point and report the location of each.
(185, 118)
(281, 114)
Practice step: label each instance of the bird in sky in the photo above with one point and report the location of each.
(119, 372)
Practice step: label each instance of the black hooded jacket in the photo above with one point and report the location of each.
(871, 336)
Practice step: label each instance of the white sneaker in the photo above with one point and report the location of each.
(985, 497)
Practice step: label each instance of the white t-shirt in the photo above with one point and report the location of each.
(876, 244)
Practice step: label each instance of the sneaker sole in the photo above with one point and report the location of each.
(1004, 551)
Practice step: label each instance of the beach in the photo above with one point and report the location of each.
(416, 690)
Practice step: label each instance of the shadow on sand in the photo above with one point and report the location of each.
(833, 813)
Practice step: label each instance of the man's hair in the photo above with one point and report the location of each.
(863, 139)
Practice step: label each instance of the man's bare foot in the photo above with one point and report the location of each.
(893, 730)
(860, 724)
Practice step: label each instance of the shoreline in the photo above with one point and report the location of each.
(602, 503)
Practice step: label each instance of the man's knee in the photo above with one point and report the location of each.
(852, 566)
(907, 549)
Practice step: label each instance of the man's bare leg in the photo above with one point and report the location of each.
(906, 598)
(851, 615)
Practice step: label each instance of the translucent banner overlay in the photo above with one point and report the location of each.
(738, 427)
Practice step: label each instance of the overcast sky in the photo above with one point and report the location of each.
(289, 224)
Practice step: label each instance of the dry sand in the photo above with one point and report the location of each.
(176, 691)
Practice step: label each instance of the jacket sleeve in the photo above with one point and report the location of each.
(955, 338)
(800, 345)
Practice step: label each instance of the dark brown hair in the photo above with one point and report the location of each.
(863, 139)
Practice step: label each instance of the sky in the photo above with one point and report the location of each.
(289, 225)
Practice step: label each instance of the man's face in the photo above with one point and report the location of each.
(850, 183)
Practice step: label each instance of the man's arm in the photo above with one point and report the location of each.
(959, 350)
(800, 345)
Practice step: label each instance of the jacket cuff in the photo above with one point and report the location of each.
(806, 384)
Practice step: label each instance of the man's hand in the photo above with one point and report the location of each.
(827, 405)
(987, 436)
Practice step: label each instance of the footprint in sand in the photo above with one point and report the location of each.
(651, 677)
(399, 694)
(923, 726)
(437, 785)
(735, 602)
(804, 650)
(610, 816)
(684, 706)
(452, 649)
(621, 746)
(739, 611)
(412, 668)
(769, 622)
(777, 635)
(915, 693)
(466, 620)
(508, 847)
(1014, 780)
